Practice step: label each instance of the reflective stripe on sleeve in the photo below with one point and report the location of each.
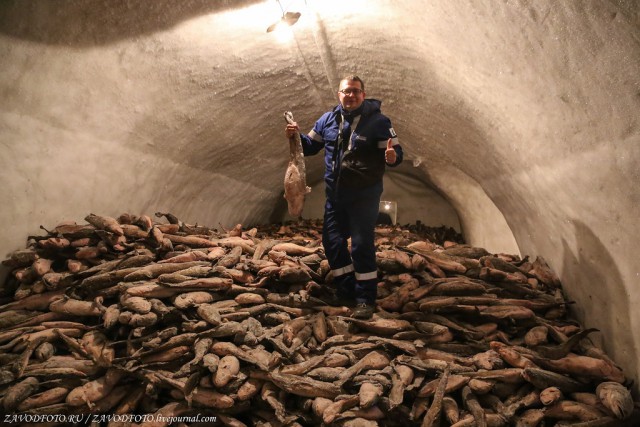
(313, 135)
(344, 270)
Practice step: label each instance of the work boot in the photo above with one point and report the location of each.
(339, 301)
(363, 311)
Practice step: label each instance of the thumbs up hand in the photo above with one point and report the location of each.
(390, 154)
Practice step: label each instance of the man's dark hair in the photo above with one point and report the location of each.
(353, 77)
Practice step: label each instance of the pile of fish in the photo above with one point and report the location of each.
(134, 315)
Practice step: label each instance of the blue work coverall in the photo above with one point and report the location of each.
(354, 144)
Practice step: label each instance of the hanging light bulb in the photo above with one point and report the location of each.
(287, 20)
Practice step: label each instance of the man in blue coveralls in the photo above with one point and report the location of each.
(359, 142)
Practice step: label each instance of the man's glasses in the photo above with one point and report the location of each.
(350, 91)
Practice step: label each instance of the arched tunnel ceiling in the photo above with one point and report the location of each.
(523, 115)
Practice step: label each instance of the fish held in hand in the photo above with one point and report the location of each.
(295, 182)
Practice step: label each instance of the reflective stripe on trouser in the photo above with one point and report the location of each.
(343, 270)
(345, 282)
(353, 217)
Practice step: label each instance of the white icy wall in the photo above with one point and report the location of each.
(523, 116)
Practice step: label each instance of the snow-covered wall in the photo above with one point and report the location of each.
(522, 116)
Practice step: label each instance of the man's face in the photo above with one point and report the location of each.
(350, 94)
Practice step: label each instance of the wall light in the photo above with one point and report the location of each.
(387, 212)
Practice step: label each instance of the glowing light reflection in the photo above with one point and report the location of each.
(283, 32)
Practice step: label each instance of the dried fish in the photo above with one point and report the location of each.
(436, 406)
(616, 398)
(173, 318)
(295, 187)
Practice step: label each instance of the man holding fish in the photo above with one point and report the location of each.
(359, 142)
